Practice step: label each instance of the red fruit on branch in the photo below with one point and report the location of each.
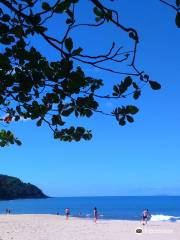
(8, 119)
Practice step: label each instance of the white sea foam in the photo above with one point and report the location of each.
(162, 217)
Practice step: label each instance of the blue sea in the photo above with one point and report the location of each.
(126, 208)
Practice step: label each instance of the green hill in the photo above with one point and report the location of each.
(14, 188)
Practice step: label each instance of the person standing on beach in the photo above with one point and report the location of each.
(145, 215)
(67, 212)
(8, 211)
(95, 214)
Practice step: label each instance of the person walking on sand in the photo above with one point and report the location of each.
(67, 212)
(95, 213)
(145, 215)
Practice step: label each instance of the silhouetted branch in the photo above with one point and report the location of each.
(170, 5)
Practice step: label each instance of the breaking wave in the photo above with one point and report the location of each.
(164, 218)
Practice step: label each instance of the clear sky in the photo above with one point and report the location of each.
(142, 158)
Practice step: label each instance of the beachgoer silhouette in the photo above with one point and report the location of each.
(67, 212)
(145, 215)
(95, 213)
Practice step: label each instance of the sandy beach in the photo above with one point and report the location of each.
(51, 227)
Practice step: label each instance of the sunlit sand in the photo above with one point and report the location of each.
(52, 227)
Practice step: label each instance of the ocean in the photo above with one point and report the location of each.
(162, 208)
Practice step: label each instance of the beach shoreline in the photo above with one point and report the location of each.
(55, 227)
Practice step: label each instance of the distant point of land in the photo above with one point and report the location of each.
(13, 188)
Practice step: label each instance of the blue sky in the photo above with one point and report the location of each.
(142, 158)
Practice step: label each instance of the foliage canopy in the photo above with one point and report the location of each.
(32, 87)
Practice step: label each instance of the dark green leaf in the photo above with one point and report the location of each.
(67, 112)
(18, 142)
(77, 51)
(97, 19)
(116, 90)
(178, 19)
(87, 136)
(128, 81)
(129, 118)
(36, 19)
(40, 29)
(132, 109)
(69, 21)
(7, 40)
(88, 113)
(98, 12)
(5, 18)
(70, 13)
(18, 31)
(109, 15)
(17, 118)
(39, 122)
(136, 94)
(69, 44)
(135, 85)
(133, 35)
(63, 6)
(56, 120)
(122, 121)
(80, 130)
(4, 28)
(154, 85)
(46, 6)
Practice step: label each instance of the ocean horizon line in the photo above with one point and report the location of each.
(100, 196)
